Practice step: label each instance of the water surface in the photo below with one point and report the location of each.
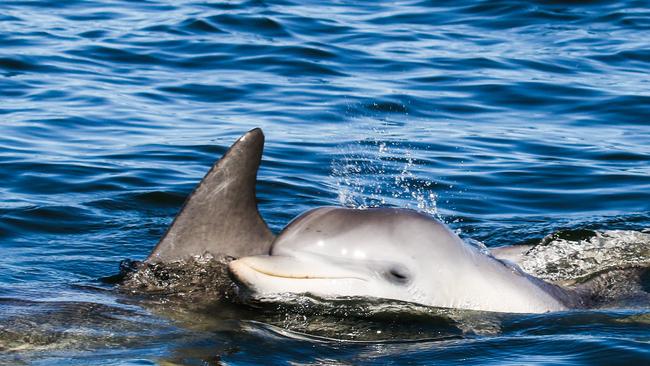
(509, 120)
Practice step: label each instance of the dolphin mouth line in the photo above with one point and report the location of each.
(293, 276)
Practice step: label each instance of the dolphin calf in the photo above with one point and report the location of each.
(332, 252)
(393, 254)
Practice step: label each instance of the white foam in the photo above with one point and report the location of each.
(562, 259)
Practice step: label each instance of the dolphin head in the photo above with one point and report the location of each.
(387, 253)
(334, 252)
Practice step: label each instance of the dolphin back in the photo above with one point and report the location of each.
(220, 216)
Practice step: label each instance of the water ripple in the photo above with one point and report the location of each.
(510, 120)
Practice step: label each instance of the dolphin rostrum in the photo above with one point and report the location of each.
(385, 253)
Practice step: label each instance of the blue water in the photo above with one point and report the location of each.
(509, 120)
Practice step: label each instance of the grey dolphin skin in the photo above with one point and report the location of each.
(330, 252)
(220, 216)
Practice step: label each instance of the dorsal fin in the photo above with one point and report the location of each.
(220, 216)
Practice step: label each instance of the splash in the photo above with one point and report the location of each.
(202, 278)
(561, 257)
(374, 172)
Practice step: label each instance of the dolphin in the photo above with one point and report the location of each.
(334, 252)
(395, 254)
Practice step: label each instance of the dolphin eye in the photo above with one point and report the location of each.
(397, 274)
